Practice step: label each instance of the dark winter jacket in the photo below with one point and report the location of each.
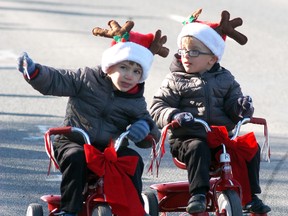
(93, 105)
(211, 96)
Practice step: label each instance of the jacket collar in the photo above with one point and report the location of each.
(136, 92)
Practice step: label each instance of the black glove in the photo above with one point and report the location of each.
(138, 131)
(245, 105)
(184, 119)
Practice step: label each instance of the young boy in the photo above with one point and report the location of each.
(103, 101)
(198, 86)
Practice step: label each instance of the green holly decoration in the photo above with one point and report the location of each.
(190, 20)
(123, 38)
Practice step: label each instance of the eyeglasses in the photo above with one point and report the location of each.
(192, 53)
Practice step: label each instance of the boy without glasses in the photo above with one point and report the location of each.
(199, 87)
(103, 101)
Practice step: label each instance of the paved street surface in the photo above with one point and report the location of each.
(58, 34)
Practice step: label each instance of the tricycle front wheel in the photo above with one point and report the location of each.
(229, 202)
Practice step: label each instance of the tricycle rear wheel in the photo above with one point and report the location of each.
(150, 203)
(102, 209)
(34, 209)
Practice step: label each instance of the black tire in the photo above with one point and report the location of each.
(230, 201)
(102, 209)
(150, 203)
(34, 209)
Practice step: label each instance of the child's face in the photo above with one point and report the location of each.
(196, 64)
(125, 75)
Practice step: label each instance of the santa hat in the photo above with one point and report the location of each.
(213, 35)
(204, 32)
(131, 47)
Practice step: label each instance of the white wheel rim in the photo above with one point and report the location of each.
(29, 211)
(146, 203)
(223, 203)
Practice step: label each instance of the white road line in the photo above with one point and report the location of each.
(42, 129)
(7, 54)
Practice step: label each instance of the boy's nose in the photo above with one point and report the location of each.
(128, 75)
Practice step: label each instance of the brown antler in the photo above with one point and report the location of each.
(157, 47)
(196, 13)
(115, 29)
(227, 27)
(193, 17)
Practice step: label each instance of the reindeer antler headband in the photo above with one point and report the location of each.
(226, 27)
(213, 34)
(131, 46)
(122, 34)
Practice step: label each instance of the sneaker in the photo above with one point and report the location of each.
(196, 204)
(256, 206)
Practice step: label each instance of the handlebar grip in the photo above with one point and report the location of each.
(260, 121)
(59, 130)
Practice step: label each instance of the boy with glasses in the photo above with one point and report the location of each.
(199, 87)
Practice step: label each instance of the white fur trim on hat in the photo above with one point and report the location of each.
(130, 51)
(206, 35)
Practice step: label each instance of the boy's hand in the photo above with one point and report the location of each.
(25, 59)
(246, 108)
(184, 119)
(138, 131)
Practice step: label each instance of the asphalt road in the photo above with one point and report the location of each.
(58, 33)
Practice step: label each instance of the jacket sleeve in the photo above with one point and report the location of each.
(164, 102)
(153, 136)
(57, 82)
(135, 110)
(231, 101)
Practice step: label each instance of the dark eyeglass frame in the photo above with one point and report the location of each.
(192, 53)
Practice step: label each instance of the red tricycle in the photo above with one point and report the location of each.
(95, 202)
(225, 194)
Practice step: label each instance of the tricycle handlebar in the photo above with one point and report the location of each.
(68, 130)
(119, 140)
(237, 128)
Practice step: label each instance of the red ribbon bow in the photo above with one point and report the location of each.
(241, 150)
(120, 192)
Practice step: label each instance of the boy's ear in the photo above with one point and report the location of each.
(213, 60)
(109, 70)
